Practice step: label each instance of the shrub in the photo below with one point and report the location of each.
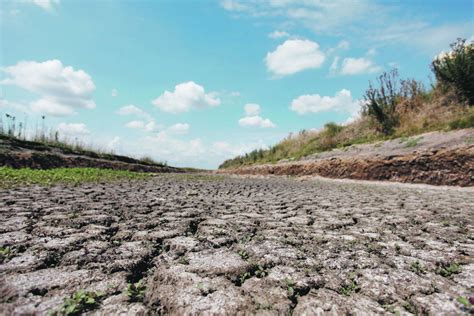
(380, 103)
(456, 69)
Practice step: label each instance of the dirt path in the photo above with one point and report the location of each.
(226, 244)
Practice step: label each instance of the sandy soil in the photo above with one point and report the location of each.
(226, 244)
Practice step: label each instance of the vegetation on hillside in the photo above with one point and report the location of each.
(13, 130)
(392, 108)
(10, 177)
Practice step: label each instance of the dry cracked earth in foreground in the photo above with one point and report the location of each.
(226, 245)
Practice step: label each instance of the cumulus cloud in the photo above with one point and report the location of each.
(150, 126)
(46, 5)
(293, 56)
(61, 88)
(256, 121)
(357, 66)
(186, 96)
(252, 109)
(278, 34)
(73, 129)
(179, 128)
(133, 110)
(253, 119)
(314, 103)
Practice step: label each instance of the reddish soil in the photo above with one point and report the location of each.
(436, 158)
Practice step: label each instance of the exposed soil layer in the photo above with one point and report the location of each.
(433, 158)
(25, 154)
(227, 244)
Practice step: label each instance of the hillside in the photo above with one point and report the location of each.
(392, 109)
(17, 153)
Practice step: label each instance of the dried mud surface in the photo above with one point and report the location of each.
(225, 245)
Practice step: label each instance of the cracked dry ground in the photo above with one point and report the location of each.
(226, 245)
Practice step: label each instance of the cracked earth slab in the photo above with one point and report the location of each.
(208, 244)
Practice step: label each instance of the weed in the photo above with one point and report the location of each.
(464, 301)
(348, 287)
(244, 255)
(398, 248)
(183, 260)
(417, 267)
(260, 272)
(244, 276)
(135, 291)
(5, 253)
(80, 302)
(10, 177)
(290, 288)
(448, 270)
(413, 141)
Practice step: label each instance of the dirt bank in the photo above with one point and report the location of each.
(25, 154)
(433, 158)
(215, 245)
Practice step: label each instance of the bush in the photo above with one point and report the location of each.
(456, 69)
(380, 103)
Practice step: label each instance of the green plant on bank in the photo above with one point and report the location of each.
(450, 269)
(380, 102)
(79, 302)
(135, 291)
(466, 121)
(456, 69)
(10, 177)
(410, 141)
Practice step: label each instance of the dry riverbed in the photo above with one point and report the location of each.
(191, 244)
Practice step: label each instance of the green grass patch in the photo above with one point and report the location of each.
(10, 177)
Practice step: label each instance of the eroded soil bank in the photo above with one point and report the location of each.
(434, 158)
(25, 154)
(227, 244)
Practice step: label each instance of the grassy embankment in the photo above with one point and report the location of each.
(393, 108)
(22, 177)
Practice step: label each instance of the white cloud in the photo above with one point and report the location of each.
(382, 23)
(179, 128)
(73, 129)
(252, 109)
(334, 65)
(256, 121)
(253, 119)
(293, 56)
(278, 34)
(233, 5)
(44, 4)
(357, 66)
(150, 126)
(343, 44)
(61, 89)
(136, 124)
(114, 144)
(227, 150)
(134, 110)
(314, 103)
(186, 95)
(114, 92)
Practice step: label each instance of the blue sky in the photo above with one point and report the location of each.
(197, 82)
